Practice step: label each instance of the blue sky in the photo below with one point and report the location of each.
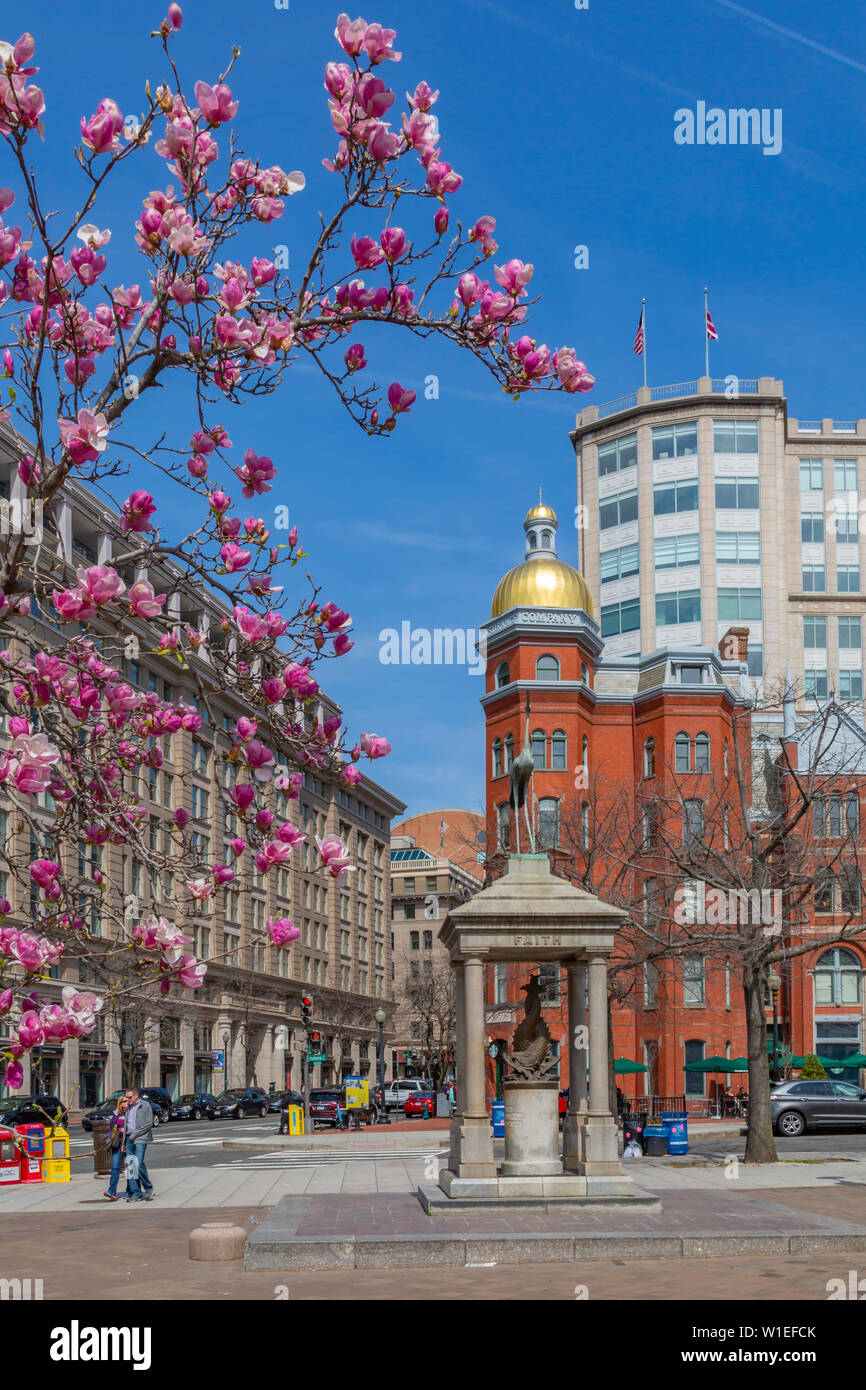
(561, 122)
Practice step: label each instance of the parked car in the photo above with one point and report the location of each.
(32, 1110)
(796, 1106)
(398, 1092)
(281, 1100)
(324, 1103)
(159, 1098)
(99, 1112)
(192, 1106)
(237, 1103)
(422, 1103)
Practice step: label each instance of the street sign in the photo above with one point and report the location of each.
(314, 1058)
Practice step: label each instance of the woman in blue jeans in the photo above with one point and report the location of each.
(115, 1143)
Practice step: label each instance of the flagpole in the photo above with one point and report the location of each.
(706, 334)
(643, 316)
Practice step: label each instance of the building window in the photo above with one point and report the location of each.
(675, 441)
(814, 579)
(735, 436)
(617, 455)
(409, 912)
(846, 527)
(823, 893)
(547, 669)
(617, 618)
(414, 940)
(837, 977)
(503, 675)
(816, 685)
(500, 982)
(739, 547)
(850, 685)
(538, 743)
(815, 633)
(848, 579)
(702, 753)
(811, 475)
(649, 758)
(695, 1080)
(755, 661)
(739, 604)
(694, 980)
(681, 496)
(682, 753)
(673, 552)
(849, 633)
(559, 751)
(737, 494)
(650, 984)
(584, 673)
(584, 826)
(548, 822)
(683, 607)
(497, 757)
(693, 822)
(619, 563)
(617, 510)
(845, 475)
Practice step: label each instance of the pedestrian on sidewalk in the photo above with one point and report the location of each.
(138, 1132)
(115, 1144)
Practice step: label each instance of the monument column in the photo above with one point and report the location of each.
(573, 1137)
(459, 1061)
(601, 1158)
(475, 1133)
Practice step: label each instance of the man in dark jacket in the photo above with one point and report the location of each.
(138, 1131)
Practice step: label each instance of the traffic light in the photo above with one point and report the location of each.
(306, 1011)
(314, 1040)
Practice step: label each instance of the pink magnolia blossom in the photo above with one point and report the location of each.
(281, 930)
(137, 510)
(290, 835)
(243, 795)
(350, 33)
(216, 103)
(234, 558)
(100, 133)
(85, 438)
(375, 746)
(255, 474)
(260, 760)
(44, 872)
(394, 244)
(335, 855)
(514, 276)
(399, 398)
(143, 602)
(191, 972)
(440, 221)
(13, 1076)
(367, 254)
(572, 374)
(175, 16)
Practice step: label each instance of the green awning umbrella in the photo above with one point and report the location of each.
(709, 1064)
(739, 1064)
(624, 1066)
(857, 1059)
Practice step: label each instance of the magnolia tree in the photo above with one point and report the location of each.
(213, 308)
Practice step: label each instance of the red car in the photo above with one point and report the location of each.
(423, 1103)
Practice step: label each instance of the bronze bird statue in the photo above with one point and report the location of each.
(531, 1056)
(521, 776)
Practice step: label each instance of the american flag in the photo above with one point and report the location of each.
(639, 336)
(711, 329)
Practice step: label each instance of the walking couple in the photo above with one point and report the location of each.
(131, 1132)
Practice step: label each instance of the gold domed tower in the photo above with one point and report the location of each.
(542, 580)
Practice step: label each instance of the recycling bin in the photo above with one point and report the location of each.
(676, 1124)
(497, 1115)
(655, 1141)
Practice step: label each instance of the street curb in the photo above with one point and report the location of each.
(320, 1144)
(394, 1252)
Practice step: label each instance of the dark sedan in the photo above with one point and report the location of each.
(237, 1103)
(796, 1106)
(33, 1110)
(191, 1107)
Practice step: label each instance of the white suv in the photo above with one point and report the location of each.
(398, 1092)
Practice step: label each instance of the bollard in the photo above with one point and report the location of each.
(217, 1240)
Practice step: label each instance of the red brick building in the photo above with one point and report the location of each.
(630, 756)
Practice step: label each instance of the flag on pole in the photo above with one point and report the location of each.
(640, 340)
(442, 828)
(711, 328)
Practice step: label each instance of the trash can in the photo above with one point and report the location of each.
(655, 1141)
(676, 1124)
(101, 1151)
(443, 1105)
(497, 1114)
(632, 1131)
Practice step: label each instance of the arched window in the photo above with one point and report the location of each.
(503, 826)
(726, 760)
(547, 669)
(683, 753)
(558, 750)
(584, 826)
(584, 673)
(584, 752)
(503, 675)
(649, 758)
(533, 541)
(546, 539)
(538, 742)
(702, 753)
(548, 822)
(497, 757)
(509, 751)
(837, 978)
(852, 813)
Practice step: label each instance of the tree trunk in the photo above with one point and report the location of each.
(760, 1145)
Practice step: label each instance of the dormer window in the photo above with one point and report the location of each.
(546, 539)
(691, 675)
(533, 541)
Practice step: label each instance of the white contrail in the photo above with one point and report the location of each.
(791, 34)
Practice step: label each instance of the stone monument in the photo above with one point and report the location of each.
(530, 915)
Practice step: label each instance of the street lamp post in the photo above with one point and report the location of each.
(775, 984)
(380, 1019)
(227, 1037)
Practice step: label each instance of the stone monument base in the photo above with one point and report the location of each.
(543, 1193)
(531, 1130)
